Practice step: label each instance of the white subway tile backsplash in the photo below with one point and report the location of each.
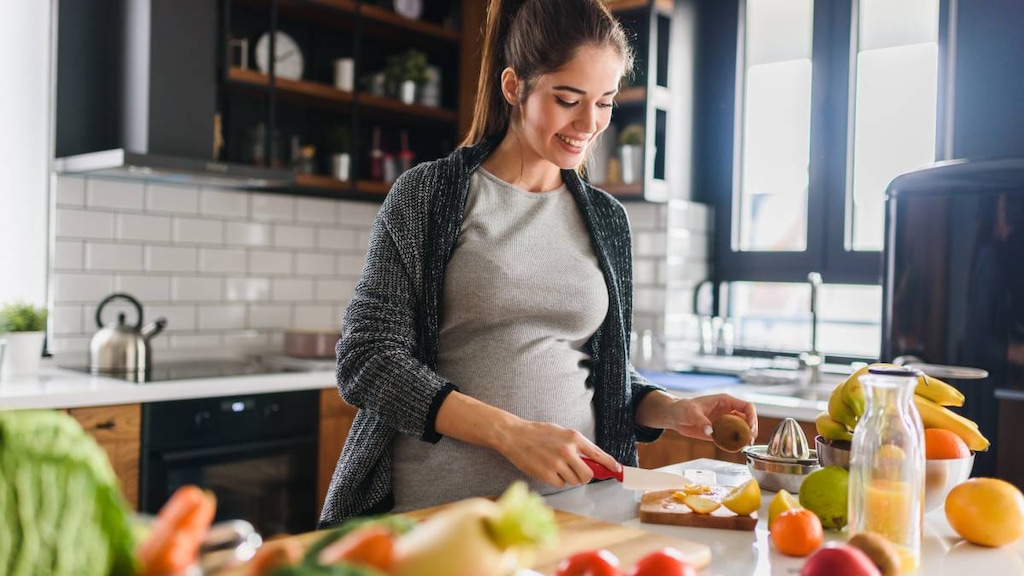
(72, 223)
(271, 316)
(357, 213)
(222, 317)
(293, 236)
(67, 319)
(646, 215)
(143, 227)
(247, 289)
(351, 265)
(649, 244)
(70, 191)
(222, 261)
(314, 264)
(146, 288)
(246, 340)
(647, 299)
(291, 290)
(316, 210)
(334, 290)
(335, 239)
(362, 240)
(195, 341)
(69, 255)
(273, 208)
(180, 317)
(75, 287)
(114, 194)
(197, 289)
(247, 234)
(644, 272)
(170, 259)
(103, 256)
(316, 318)
(233, 204)
(198, 231)
(268, 262)
(171, 199)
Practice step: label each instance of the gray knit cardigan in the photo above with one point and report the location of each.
(388, 350)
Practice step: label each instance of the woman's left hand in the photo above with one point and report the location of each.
(693, 416)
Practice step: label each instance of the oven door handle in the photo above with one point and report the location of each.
(171, 456)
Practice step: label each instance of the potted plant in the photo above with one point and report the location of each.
(405, 71)
(631, 151)
(22, 329)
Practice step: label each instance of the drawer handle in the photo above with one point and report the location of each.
(108, 425)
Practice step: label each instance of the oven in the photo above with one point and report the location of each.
(257, 453)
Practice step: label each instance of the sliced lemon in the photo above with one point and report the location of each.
(780, 503)
(700, 504)
(744, 499)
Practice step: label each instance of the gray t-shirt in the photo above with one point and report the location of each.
(523, 293)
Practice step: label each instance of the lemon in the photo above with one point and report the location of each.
(744, 499)
(780, 503)
(700, 504)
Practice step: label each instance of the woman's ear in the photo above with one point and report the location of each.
(510, 86)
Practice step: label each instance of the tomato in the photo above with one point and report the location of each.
(592, 563)
(664, 562)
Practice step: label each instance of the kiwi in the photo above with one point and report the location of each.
(730, 432)
(880, 550)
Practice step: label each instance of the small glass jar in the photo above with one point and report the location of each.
(887, 472)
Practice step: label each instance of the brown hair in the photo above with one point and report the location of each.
(535, 37)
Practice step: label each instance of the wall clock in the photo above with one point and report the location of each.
(288, 60)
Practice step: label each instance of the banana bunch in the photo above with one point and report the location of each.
(931, 396)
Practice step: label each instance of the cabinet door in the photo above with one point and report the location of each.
(117, 430)
(336, 417)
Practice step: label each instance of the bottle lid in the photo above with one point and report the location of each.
(902, 371)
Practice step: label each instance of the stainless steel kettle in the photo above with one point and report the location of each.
(124, 348)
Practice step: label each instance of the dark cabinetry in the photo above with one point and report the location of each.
(273, 116)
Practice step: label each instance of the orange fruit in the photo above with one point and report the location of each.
(797, 532)
(986, 511)
(942, 444)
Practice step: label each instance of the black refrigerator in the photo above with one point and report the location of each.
(953, 290)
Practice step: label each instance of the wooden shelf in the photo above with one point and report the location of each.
(390, 18)
(619, 190)
(325, 94)
(360, 187)
(664, 6)
(383, 22)
(631, 95)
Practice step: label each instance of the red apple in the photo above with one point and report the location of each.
(839, 560)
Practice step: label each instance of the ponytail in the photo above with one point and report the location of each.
(535, 37)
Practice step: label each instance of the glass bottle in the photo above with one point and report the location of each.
(887, 462)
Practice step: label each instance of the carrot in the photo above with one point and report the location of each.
(176, 534)
(273, 555)
(372, 545)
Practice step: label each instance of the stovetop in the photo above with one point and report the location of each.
(204, 369)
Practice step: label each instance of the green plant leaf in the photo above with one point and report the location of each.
(21, 317)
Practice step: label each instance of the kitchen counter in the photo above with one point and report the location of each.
(742, 553)
(61, 388)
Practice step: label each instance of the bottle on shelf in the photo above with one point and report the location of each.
(376, 157)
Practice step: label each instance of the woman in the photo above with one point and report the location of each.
(487, 338)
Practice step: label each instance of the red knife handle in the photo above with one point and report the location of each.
(600, 471)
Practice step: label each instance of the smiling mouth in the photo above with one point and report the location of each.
(571, 142)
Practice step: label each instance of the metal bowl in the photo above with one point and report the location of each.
(940, 476)
(832, 452)
(776, 474)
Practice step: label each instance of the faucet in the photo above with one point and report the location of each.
(810, 362)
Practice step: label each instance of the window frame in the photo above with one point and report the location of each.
(829, 204)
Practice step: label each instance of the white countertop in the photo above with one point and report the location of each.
(61, 388)
(742, 553)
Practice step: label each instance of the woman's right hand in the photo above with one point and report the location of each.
(551, 454)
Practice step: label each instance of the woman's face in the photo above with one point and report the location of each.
(569, 108)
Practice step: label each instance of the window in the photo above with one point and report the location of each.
(833, 99)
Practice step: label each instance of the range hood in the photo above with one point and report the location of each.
(122, 164)
(137, 94)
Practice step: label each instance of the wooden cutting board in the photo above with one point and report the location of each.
(576, 534)
(659, 507)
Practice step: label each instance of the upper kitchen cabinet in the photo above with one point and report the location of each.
(645, 154)
(344, 94)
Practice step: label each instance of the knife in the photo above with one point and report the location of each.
(633, 478)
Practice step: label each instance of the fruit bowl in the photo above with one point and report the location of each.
(940, 476)
(832, 452)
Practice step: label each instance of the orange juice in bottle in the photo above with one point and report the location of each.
(887, 464)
